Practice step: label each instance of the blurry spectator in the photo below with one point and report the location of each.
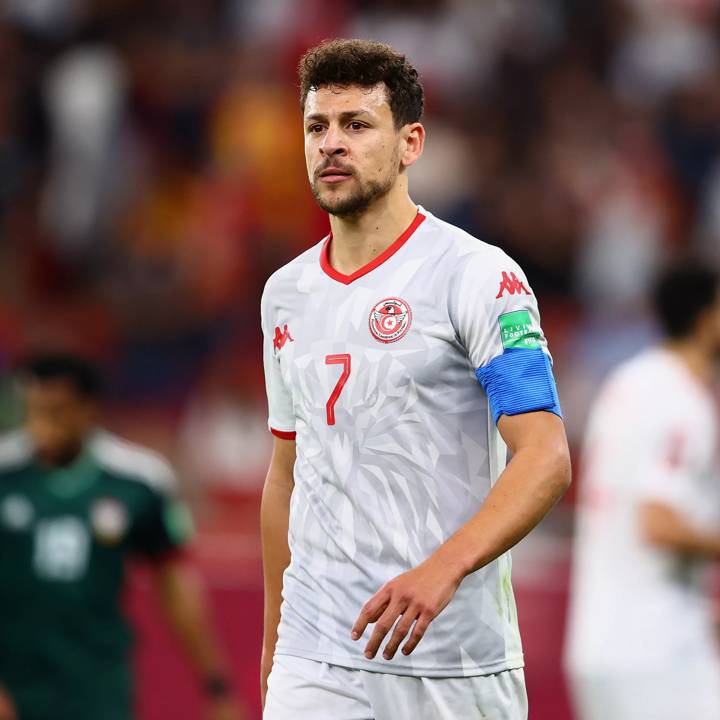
(48, 16)
(84, 97)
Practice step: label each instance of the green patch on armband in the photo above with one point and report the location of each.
(516, 331)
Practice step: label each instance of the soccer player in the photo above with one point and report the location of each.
(388, 512)
(641, 640)
(75, 503)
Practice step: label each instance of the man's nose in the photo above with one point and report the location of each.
(333, 144)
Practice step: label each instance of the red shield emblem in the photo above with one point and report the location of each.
(390, 320)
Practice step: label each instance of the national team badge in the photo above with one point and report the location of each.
(109, 519)
(390, 320)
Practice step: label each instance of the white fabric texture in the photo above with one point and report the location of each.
(413, 450)
(300, 689)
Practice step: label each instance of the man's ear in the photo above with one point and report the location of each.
(414, 142)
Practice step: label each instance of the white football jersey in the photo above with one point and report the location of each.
(374, 375)
(652, 435)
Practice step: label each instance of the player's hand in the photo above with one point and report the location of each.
(416, 597)
(226, 709)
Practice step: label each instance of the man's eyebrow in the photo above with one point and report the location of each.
(346, 115)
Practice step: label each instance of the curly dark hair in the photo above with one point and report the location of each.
(364, 63)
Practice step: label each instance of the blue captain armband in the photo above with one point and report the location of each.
(519, 381)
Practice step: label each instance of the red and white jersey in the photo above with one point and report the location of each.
(374, 375)
(652, 436)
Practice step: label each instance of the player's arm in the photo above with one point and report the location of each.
(666, 528)
(497, 320)
(531, 484)
(274, 518)
(533, 481)
(160, 534)
(279, 483)
(667, 475)
(182, 598)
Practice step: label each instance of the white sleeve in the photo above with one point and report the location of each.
(495, 308)
(281, 417)
(499, 325)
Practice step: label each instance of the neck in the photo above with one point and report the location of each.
(357, 240)
(696, 358)
(61, 457)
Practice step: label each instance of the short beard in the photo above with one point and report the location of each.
(357, 203)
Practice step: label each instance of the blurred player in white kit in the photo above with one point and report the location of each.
(641, 641)
(402, 358)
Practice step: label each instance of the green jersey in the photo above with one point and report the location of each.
(65, 534)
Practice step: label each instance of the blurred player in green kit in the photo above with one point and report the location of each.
(75, 503)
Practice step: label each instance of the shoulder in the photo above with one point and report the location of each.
(482, 280)
(286, 277)
(634, 375)
(133, 462)
(466, 252)
(648, 385)
(15, 450)
(646, 368)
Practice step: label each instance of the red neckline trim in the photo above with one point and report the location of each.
(328, 269)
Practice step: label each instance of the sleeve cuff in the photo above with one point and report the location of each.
(282, 434)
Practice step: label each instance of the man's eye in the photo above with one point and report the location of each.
(356, 125)
(315, 128)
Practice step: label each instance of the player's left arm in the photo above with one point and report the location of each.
(182, 598)
(533, 481)
(500, 327)
(161, 533)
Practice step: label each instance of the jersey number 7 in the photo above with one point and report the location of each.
(343, 360)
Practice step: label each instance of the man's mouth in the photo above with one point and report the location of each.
(334, 174)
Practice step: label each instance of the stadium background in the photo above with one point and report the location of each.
(151, 178)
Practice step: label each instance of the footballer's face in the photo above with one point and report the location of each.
(354, 153)
(57, 417)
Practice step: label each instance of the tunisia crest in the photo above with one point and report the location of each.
(390, 320)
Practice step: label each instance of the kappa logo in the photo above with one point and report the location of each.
(281, 337)
(390, 320)
(512, 285)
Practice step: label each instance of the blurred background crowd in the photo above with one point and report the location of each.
(152, 177)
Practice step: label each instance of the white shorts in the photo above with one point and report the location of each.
(300, 689)
(674, 695)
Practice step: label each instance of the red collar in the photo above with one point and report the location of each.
(376, 262)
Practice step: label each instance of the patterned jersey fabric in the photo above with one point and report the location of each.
(373, 374)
